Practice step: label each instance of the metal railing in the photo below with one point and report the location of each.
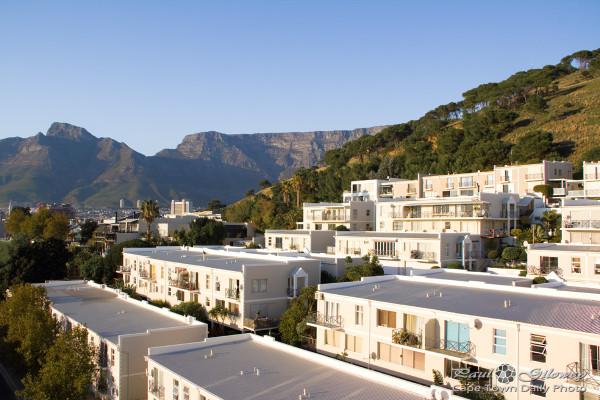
(422, 255)
(157, 391)
(125, 269)
(592, 176)
(384, 253)
(185, 285)
(581, 223)
(495, 233)
(329, 321)
(543, 270)
(326, 218)
(583, 376)
(535, 176)
(232, 293)
(406, 338)
(449, 346)
(144, 273)
(261, 323)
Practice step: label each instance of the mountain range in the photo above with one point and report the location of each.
(69, 164)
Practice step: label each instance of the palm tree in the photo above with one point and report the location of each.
(149, 212)
(298, 184)
(286, 188)
(219, 312)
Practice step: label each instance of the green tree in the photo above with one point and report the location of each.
(552, 221)
(204, 231)
(511, 254)
(28, 327)
(296, 313)
(537, 106)
(57, 227)
(370, 268)
(192, 308)
(87, 229)
(249, 192)
(264, 183)
(215, 204)
(114, 257)
(219, 312)
(96, 270)
(67, 370)
(149, 211)
(15, 220)
(535, 146)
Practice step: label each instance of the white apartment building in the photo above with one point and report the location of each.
(310, 241)
(354, 215)
(572, 262)
(486, 214)
(254, 287)
(253, 367)
(409, 326)
(123, 329)
(412, 250)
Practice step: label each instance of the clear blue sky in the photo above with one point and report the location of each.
(150, 72)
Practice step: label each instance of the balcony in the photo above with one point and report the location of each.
(581, 223)
(232, 293)
(538, 176)
(559, 191)
(450, 347)
(387, 253)
(185, 285)
(318, 319)
(260, 324)
(124, 269)
(576, 193)
(586, 377)
(495, 233)
(157, 391)
(144, 274)
(422, 255)
(326, 218)
(592, 177)
(411, 190)
(592, 192)
(406, 338)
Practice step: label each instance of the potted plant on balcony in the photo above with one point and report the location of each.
(406, 338)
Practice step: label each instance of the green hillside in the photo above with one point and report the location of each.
(550, 113)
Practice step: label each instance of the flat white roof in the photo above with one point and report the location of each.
(284, 371)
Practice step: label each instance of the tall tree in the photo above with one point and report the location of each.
(87, 229)
(149, 211)
(67, 370)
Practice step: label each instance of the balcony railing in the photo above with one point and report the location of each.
(411, 189)
(326, 218)
(536, 176)
(185, 285)
(261, 323)
(352, 251)
(493, 233)
(543, 270)
(592, 192)
(327, 321)
(450, 347)
(384, 253)
(592, 176)
(422, 255)
(406, 338)
(157, 391)
(559, 191)
(581, 376)
(144, 274)
(581, 223)
(576, 193)
(125, 269)
(232, 293)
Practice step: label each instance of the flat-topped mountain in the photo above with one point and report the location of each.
(70, 164)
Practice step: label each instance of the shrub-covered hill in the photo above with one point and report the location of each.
(548, 113)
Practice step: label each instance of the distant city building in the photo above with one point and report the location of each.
(122, 203)
(138, 204)
(181, 207)
(66, 209)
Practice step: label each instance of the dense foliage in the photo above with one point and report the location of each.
(466, 136)
(202, 231)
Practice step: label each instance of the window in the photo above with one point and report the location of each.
(259, 286)
(207, 281)
(458, 250)
(466, 181)
(278, 243)
(489, 180)
(368, 213)
(469, 192)
(538, 348)
(576, 265)
(548, 264)
(175, 389)
(217, 284)
(169, 290)
(500, 341)
(597, 266)
(112, 357)
(537, 387)
(269, 241)
(413, 359)
(355, 213)
(441, 209)
(389, 353)
(186, 393)
(202, 397)
(207, 302)
(333, 338)
(397, 225)
(447, 249)
(358, 315)
(353, 343)
(332, 309)
(428, 184)
(449, 183)
(450, 366)
(386, 318)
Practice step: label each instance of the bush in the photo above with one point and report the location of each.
(523, 273)
(493, 254)
(523, 256)
(435, 267)
(160, 303)
(539, 280)
(455, 265)
(326, 277)
(192, 308)
(511, 253)
(252, 245)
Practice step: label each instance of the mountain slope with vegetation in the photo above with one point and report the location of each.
(550, 113)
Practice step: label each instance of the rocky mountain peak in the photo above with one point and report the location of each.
(68, 131)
